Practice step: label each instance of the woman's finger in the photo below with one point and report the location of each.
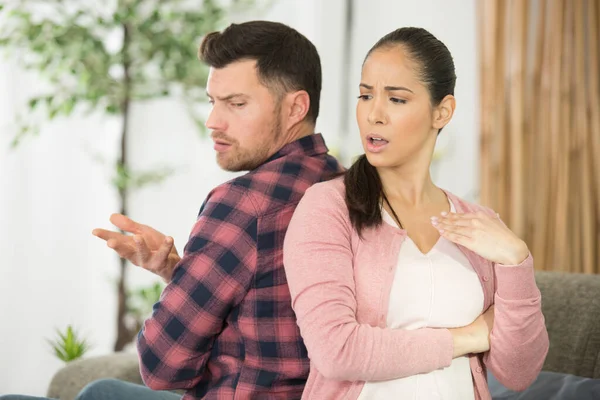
(457, 229)
(435, 221)
(457, 238)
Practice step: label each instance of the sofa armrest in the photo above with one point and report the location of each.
(69, 380)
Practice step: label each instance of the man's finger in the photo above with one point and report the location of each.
(125, 223)
(124, 248)
(107, 235)
(162, 254)
(142, 250)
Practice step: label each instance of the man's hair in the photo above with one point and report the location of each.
(286, 60)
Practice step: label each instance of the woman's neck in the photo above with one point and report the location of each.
(409, 185)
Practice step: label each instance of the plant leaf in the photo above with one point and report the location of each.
(68, 346)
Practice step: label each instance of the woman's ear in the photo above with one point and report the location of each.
(444, 111)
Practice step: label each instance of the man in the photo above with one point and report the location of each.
(224, 326)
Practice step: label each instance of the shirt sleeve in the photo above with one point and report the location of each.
(213, 276)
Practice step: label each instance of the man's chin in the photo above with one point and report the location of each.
(240, 164)
(229, 165)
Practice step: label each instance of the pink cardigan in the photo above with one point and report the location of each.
(340, 287)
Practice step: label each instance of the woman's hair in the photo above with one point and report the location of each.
(435, 68)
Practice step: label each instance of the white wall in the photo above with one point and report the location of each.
(53, 272)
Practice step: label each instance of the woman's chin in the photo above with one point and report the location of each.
(379, 160)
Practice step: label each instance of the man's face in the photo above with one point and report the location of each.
(245, 118)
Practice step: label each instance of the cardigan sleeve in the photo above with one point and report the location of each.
(318, 261)
(519, 339)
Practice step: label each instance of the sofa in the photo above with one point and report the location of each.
(570, 303)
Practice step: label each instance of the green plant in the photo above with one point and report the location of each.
(68, 346)
(67, 43)
(140, 302)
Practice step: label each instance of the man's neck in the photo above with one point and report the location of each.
(297, 132)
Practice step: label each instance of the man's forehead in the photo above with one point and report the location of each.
(235, 75)
(238, 69)
(236, 78)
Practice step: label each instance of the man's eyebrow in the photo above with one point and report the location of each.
(228, 97)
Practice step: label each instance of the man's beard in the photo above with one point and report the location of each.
(249, 159)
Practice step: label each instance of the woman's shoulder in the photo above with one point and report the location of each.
(332, 189)
(325, 198)
(322, 206)
(466, 206)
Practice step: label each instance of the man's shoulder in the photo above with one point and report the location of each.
(282, 183)
(227, 197)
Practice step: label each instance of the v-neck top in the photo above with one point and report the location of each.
(436, 289)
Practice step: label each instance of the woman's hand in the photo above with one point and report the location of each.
(483, 234)
(474, 338)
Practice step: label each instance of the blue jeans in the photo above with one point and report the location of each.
(549, 386)
(110, 389)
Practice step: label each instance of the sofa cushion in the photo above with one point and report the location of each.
(69, 381)
(571, 307)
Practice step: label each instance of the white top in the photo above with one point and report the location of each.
(439, 289)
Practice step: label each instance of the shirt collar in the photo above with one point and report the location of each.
(311, 145)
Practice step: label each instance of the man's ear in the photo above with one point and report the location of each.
(297, 106)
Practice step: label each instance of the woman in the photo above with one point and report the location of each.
(395, 282)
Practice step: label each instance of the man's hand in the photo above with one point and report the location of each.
(146, 247)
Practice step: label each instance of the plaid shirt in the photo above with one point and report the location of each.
(224, 326)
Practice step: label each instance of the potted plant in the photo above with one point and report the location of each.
(65, 42)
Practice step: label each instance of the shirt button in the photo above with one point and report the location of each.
(486, 278)
(479, 370)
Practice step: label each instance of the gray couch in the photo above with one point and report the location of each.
(571, 305)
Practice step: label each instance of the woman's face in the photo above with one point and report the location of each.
(394, 112)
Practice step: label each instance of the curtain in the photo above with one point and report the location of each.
(540, 126)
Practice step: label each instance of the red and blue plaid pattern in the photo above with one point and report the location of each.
(224, 327)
